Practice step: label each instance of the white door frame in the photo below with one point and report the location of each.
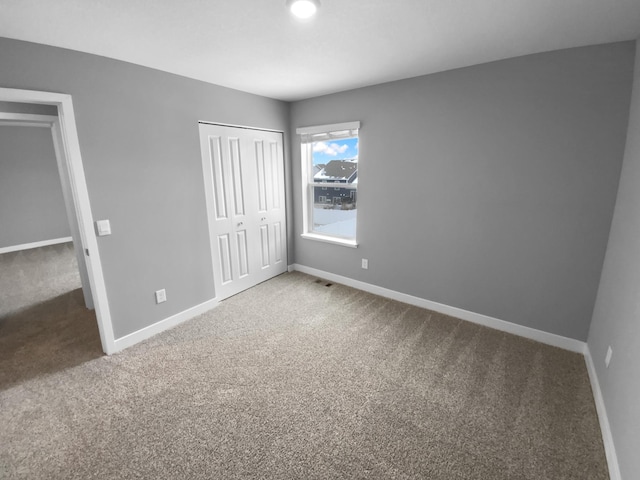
(71, 171)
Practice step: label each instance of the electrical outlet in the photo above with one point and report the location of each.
(607, 358)
(365, 263)
(161, 296)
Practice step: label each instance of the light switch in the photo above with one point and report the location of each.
(104, 228)
(161, 296)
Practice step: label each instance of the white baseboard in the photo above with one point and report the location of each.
(605, 428)
(27, 246)
(170, 322)
(520, 330)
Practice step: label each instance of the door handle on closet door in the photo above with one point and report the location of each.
(240, 224)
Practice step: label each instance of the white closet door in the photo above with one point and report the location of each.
(244, 184)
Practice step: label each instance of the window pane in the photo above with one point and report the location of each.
(334, 160)
(334, 212)
(326, 151)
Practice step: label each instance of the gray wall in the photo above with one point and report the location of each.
(617, 310)
(138, 131)
(504, 178)
(31, 203)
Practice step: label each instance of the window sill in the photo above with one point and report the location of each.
(327, 239)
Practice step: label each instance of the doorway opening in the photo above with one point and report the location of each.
(37, 260)
(69, 163)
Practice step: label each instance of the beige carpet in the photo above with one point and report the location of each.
(294, 380)
(29, 277)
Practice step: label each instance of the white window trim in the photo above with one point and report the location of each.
(345, 242)
(334, 127)
(342, 186)
(307, 190)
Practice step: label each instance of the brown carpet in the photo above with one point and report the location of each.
(293, 379)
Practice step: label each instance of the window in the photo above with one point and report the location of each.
(330, 156)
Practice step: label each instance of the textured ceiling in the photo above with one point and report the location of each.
(256, 46)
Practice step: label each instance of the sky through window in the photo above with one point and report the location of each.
(342, 149)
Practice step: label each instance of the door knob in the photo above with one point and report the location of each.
(263, 219)
(240, 224)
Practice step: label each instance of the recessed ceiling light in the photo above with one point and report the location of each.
(303, 8)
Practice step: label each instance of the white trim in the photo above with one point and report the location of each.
(329, 239)
(333, 127)
(163, 325)
(66, 142)
(42, 243)
(605, 428)
(325, 185)
(504, 326)
(307, 192)
(72, 214)
(26, 120)
(291, 268)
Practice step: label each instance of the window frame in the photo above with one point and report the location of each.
(307, 181)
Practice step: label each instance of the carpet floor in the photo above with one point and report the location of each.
(292, 379)
(29, 277)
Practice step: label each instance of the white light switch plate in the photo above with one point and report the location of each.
(161, 296)
(104, 228)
